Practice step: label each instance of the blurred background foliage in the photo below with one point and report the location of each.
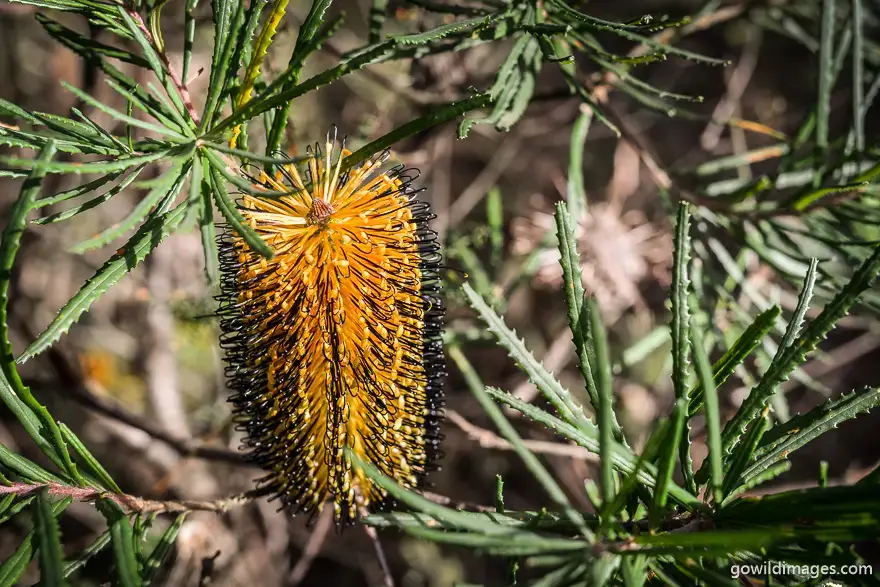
(775, 150)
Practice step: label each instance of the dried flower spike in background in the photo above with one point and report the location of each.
(334, 342)
(619, 251)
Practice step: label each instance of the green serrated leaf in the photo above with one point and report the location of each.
(658, 439)
(200, 193)
(667, 453)
(519, 545)
(36, 420)
(17, 506)
(743, 454)
(156, 64)
(122, 538)
(156, 202)
(49, 540)
(852, 508)
(247, 156)
(27, 469)
(781, 441)
(94, 466)
(14, 566)
(736, 354)
(438, 115)
(121, 117)
(592, 23)
(117, 164)
(445, 30)
(679, 328)
(578, 318)
(11, 241)
(233, 216)
(73, 129)
(768, 474)
(454, 518)
(786, 358)
(162, 549)
(148, 237)
(96, 201)
(530, 69)
(531, 461)
(83, 557)
(624, 460)
(549, 386)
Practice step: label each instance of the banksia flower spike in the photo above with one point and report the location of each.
(334, 342)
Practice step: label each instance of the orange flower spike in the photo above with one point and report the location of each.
(334, 343)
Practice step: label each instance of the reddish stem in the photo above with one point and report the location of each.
(178, 82)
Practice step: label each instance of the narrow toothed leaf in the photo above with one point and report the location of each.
(13, 567)
(162, 549)
(122, 539)
(747, 342)
(549, 386)
(531, 461)
(49, 540)
(667, 454)
(578, 318)
(681, 344)
(156, 202)
(744, 452)
(787, 357)
(87, 554)
(438, 115)
(148, 237)
(88, 205)
(624, 460)
(781, 441)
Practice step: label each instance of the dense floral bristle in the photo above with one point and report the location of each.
(334, 342)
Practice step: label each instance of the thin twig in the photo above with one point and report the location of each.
(312, 547)
(78, 390)
(387, 577)
(133, 503)
(488, 439)
(736, 86)
(478, 188)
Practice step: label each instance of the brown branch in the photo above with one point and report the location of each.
(488, 439)
(185, 447)
(387, 578)
(131, 503)
(77, 389)
(312, 547)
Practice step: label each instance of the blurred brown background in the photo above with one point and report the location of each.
(148, 349)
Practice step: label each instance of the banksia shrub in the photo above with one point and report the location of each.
(330, 295)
